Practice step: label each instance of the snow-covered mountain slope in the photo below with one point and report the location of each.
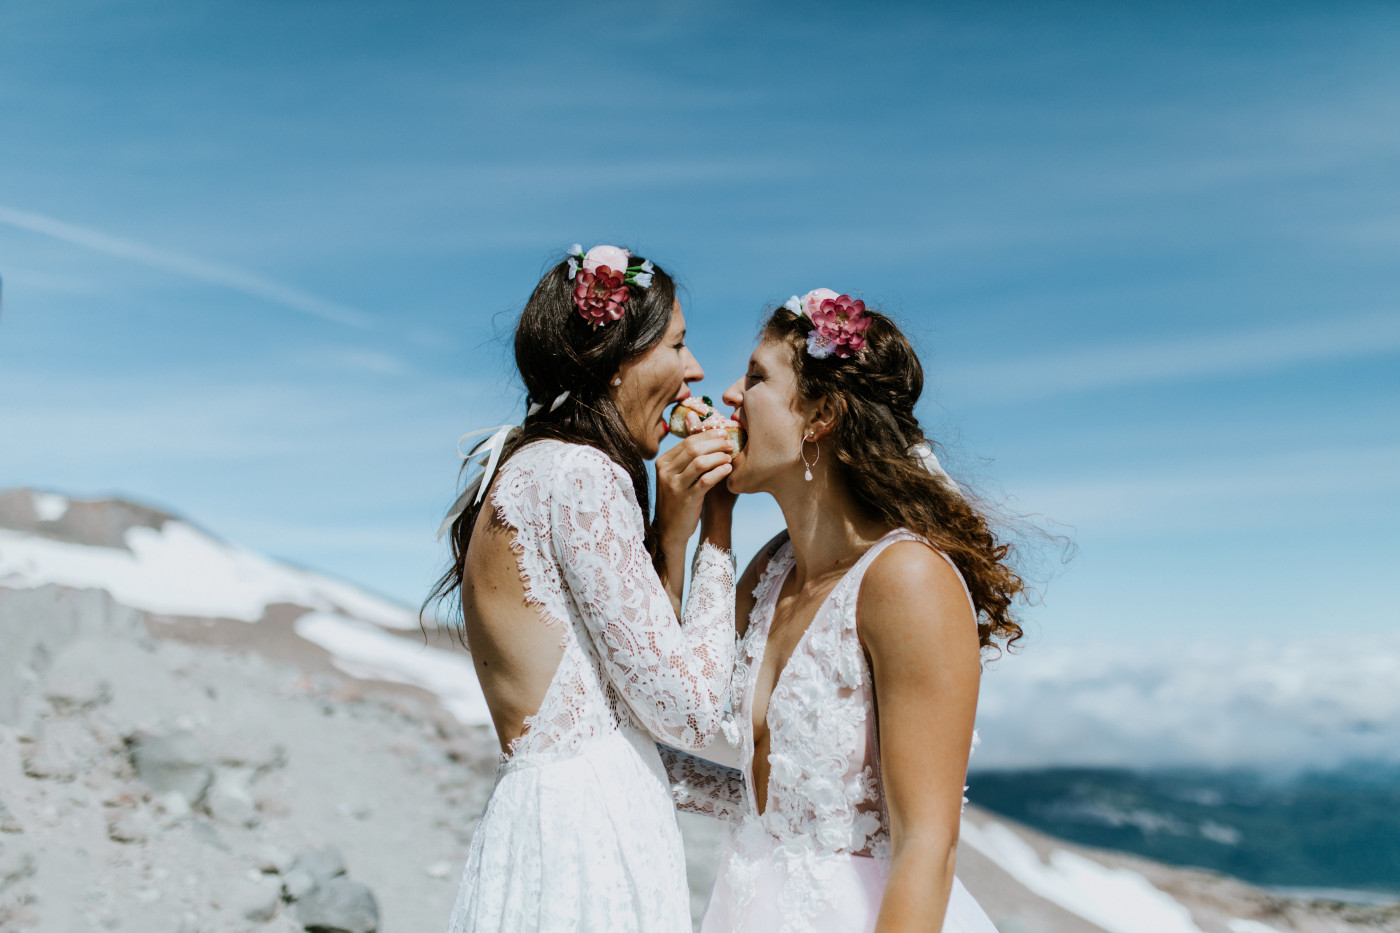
(160, 564)
(168, 568)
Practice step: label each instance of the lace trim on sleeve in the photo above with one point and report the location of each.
(702, 786)
(672, 677)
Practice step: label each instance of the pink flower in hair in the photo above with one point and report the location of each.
(614, 257)
(840, 324)
(600, 294)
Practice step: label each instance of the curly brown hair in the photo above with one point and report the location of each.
(874, 393)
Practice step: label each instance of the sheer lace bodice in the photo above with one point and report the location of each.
(579, 539)
(825, 801)
(579, 833)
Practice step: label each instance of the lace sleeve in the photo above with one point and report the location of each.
(673, 677)
(701, 786)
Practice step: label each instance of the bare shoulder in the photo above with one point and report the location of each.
(911, 588)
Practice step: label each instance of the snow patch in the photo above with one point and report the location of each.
(1118, 900)
(179, 570)
(367, 653)
(1249, 926)
(49, 507)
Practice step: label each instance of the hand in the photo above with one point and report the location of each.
(685, 476)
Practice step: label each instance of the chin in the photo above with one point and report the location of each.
(735, 482)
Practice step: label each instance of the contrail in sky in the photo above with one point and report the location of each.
(213, 273)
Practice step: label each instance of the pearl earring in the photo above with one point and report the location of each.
(617, 381)
(808, 475)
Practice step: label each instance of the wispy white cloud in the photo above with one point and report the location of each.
(1305, 702)
(198, 269)
(1207, 356)
(1206, 496)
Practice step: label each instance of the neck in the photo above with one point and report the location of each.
(829, 530)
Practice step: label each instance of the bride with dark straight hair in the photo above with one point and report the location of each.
(571, 607)
(862, 629)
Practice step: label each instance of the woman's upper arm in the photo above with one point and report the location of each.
(915, 623)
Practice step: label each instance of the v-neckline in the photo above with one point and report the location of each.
(777, 593)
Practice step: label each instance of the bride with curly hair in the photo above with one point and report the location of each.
(862, 629)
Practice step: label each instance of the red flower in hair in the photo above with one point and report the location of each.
(841, 323)
(600, 295)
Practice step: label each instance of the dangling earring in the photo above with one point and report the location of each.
(617, 381)
(808, 475)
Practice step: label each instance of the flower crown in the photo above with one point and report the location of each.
(602, 275)
(839, 322)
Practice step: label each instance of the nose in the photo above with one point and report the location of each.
(734, 395)
(693, 372)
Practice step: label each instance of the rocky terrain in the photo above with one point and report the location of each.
(189, 745)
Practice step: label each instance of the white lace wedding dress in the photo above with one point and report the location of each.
(580, 832)
(816, 859)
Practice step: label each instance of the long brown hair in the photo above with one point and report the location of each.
(557, 351)
(874, 393)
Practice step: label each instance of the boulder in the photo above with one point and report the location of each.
(72, 692)
(171, 762)
(321, 864)
(339, 905)
(230, 800)
(257, 900)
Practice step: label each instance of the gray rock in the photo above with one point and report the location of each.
(37, 624)
(322, 864)
(16, 864)
(339, 905)
(46, 763)
(8, 823)
(70, 692)
(128, 826)
(171, 762)
(258, 754)
(230, 800)
(274, 861)
(296, 884)
(173, 808)
(257, 900)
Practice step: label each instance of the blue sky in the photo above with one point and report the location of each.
(261, 261)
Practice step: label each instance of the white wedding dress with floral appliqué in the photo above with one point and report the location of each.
(816, 859)
(580, 831)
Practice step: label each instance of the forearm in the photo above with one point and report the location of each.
(920, 883)
(670, 567)
(716, 528)
(717, 523)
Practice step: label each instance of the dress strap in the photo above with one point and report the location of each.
(856, 574)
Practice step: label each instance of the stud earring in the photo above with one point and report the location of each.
(808, 475)
(617, 381)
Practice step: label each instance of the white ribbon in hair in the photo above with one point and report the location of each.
(923, 452)
(490, 451)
